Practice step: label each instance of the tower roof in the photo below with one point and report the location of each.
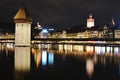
(90, 19)
(22, 16)
(90, 15)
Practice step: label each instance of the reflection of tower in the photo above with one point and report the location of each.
(90, 21)
(23, 27)
(22, 58)
(21, 62)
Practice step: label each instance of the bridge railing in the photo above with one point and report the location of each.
(76, 39)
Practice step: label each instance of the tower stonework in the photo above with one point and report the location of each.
(90, 21)
(22, 28)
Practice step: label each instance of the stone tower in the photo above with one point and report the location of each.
(90, 21)
(23, 23)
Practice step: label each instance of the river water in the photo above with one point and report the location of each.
(76, 62)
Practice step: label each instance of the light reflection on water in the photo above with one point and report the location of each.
(88, 61)
(50, 58)
(89, 67)
(44, 58)
(22, 59)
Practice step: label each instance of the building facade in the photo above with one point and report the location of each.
(90, 21)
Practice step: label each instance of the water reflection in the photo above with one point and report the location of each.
(100, 50)
(21, 62)
(76, 61)
(116, 50)
(44, 58)
(38, 58)
(22, 59)
(83, 49)
(89, 67)
(47, 58)
(119, 68)
(95, 59)
(50, 58)
(89, 49)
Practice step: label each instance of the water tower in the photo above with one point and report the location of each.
(23, 23)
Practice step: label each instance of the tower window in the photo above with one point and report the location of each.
(17, 25)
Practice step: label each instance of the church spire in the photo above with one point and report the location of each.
(90, 15)
(90, 21)
(113, 21)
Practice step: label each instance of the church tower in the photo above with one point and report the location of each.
(113, 21)
(23, 23)
(90, 21)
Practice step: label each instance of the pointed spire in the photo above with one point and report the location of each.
(113, 21)
(22, 16)
(90, 16)
(39, 26)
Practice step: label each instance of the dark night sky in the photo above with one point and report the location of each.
(62, 13)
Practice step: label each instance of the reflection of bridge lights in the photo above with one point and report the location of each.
(44, 58)
(50, 58)
(108, 50)
(100, 50)
(89, 67)
(103, 50)
(33, 51)
(47, 59)
(38, 58)
(97, 49)
(116, 50)
(10, 45)
(65, 47)
(81, 48)
(90, 49)
(60, 47)
(95, 58)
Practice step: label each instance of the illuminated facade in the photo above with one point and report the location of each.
(117, 33)
(44, 33)
(22, 28)
(106, 31)
(90, 21)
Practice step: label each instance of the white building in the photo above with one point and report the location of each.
(44, 33)
(90, 21)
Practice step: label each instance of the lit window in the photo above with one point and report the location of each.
(44, 31)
